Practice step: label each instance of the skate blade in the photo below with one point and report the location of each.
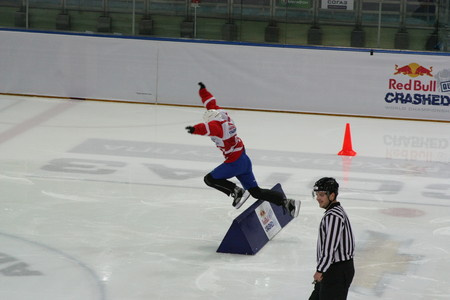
(242, 200)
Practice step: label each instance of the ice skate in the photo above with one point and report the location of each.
(240, 196)
(293, 207)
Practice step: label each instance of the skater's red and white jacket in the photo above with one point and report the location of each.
(223, 132)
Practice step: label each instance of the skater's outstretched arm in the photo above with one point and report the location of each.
(208, 100)
(212, 128)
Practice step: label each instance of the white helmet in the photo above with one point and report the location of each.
(212, 114)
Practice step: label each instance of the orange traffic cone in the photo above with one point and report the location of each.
(347, 146)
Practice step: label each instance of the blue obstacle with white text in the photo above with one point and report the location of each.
(255, 227)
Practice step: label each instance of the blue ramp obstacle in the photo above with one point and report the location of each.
(253, 228)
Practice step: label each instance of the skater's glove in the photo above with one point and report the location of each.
(190, 129)
(202, 86)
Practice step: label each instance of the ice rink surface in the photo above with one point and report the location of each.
(106, 201)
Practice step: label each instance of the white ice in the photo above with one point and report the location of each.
(106, 201)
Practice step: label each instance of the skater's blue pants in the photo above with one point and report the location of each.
(241, 169)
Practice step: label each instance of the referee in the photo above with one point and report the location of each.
(335, 245)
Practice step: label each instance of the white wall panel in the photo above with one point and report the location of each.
(77, 66)
(324, 80)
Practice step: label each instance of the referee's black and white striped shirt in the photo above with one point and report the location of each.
(336, 242)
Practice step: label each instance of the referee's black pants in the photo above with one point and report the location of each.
(335, 282)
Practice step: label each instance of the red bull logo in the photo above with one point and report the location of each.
(413, 70)
(422, 90)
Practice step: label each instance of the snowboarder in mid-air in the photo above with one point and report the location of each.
(221, 129)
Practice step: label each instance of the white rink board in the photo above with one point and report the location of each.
(301, 79)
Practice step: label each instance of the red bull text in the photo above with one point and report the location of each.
(413, 85)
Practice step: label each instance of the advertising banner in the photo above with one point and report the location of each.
(416, 87)
(268, 219)
(295, 3)
(337, 4)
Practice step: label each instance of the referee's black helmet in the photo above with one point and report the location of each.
(326, 184)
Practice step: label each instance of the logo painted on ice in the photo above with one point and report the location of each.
(30, 268)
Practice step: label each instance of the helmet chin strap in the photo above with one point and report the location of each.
(329, 202)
